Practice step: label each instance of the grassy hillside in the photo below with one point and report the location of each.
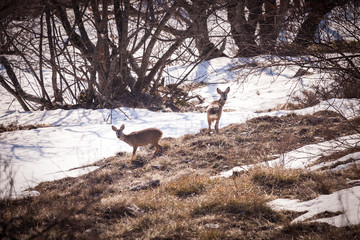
(184, 201)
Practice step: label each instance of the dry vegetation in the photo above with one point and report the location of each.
(15, 127)
(188, 203)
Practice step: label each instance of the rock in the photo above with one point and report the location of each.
(143, 186)
(238, 173)
(158, 167)
(212, 225)
(133, 211)
(122, 210)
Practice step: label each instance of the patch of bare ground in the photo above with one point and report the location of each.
(15, 127)
(317, 231)
(188, 203)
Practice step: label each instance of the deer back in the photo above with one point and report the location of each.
(143, 137)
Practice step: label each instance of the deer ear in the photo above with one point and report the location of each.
(218, 91)
(227, 90)
(122, 127)
(114, 128)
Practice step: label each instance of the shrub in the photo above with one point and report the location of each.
(238, 197)
(187, 185)
(274, 177)
(306, 99)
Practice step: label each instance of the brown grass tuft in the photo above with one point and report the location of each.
(187, 185)
(277, 177)
(237, 197)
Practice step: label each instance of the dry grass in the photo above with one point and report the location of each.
(15, 127)
(187, 185)
(317, 231)
(299, 184)
(188, 204)
(275, 177)
(209, 213)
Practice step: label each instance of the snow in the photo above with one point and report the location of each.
(344, 204)
(339, 164)
(75, 139)
(303, 157)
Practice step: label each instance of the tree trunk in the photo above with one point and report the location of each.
(101, 57)
(144, 80)
(316, 10)
(243, 25)
(199, 13)
(268, 31)
(17, 87)
(14, 93)
(121, 12)
(57, 92)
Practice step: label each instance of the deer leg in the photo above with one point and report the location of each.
(209, 128)
(217, 126)
(134, 151)
(158, 148)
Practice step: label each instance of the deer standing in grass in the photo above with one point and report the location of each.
(140, 138)
(214, 110)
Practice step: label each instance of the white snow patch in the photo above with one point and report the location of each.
(346, 201)
(354, 157)
(304, 156)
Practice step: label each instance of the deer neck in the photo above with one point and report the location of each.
(124, 138)
(221, 102)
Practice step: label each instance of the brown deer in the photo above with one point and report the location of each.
(214, 110)
(140, 138)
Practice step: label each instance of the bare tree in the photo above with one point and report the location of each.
(313, 13)
(120, 61)
(198, 13)
(112, 52)
(256, 25)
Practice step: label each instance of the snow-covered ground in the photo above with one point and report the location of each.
(303, 157)
(77, 138)
(346, 203)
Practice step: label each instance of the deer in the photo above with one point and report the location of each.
(140, 138)
(214, 110)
